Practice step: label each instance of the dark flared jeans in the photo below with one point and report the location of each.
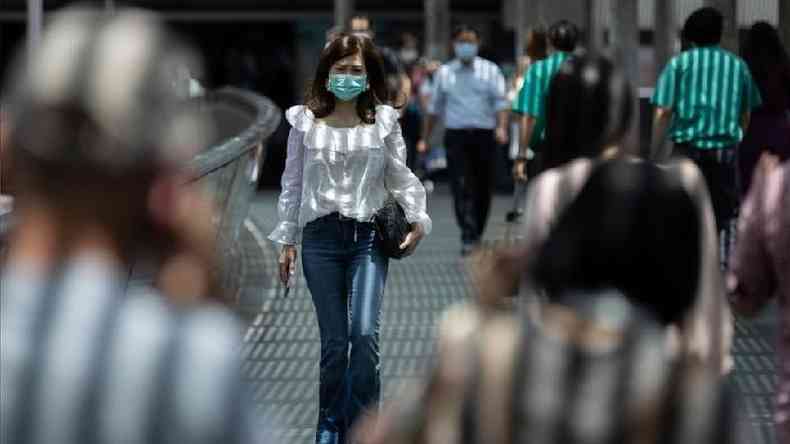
(346, 273)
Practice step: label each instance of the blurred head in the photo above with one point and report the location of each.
(588, 108)
(563, 36)
(466, 42)
(348, 55)
(95, 119)
(633, 228)
(361, 26)
(704, 27)
(537, 44)
(764, 52)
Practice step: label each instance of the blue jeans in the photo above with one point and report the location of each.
(345, 272)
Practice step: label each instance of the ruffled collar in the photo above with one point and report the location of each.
(319, 135)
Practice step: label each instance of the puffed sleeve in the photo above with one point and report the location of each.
(400, 181)
(287, 231)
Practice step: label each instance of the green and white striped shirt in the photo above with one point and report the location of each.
(532, 97)
(708, 90)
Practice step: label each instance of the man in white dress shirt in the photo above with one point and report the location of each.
(469, 97)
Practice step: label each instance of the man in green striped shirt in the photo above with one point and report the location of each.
(703, 101)
(531, 101)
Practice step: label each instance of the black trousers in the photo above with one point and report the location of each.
(719, 168)
(470, 161)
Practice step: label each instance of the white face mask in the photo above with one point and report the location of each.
(409, 55)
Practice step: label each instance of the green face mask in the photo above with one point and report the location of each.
(347, 86)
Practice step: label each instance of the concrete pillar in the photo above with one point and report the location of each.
(625, 43)
(784, 21)
(729, 9)
(344, 9)
(521, 26)
(437, 29)
(593, 26)
(665, 32)
(35, 13)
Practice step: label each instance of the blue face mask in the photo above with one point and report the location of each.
(347, 86)
(465, 51)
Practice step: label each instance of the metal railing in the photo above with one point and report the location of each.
(230, 169)
(5, 216)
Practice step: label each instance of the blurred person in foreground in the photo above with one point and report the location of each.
(760, 269)
(469, 96)
(769, 126)
(593, 367)
(99, 142)
(346, 157)
(531, 101)
(703, 102)
(588, 112)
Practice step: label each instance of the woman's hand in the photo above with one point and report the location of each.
(768, 162)
(287, 263)
(413, 238)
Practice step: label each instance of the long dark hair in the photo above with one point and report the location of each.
(633, 228)
(588, 107)
(764, 53)
(537, 44)
(322, 102)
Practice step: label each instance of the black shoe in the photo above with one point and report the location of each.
(327, 437)
(468, 248)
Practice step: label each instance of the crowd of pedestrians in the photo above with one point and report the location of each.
(609, 320)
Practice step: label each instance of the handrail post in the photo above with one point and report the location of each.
(35, 13)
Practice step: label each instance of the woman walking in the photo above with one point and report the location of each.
(769, 127)
(346, 155)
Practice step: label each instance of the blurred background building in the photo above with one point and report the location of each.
(271, 46)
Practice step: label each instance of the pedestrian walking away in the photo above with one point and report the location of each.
(531, 101)
(537, 50)
(703, 99)
(769, 126)
(346, 156)
(469, 95)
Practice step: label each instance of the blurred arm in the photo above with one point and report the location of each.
(526, 128)
(659, 149)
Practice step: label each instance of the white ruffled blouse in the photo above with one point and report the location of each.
(346, 170)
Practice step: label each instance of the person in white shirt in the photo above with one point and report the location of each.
(346, 156)
(469, 96)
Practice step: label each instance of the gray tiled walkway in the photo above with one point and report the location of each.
(282, 347)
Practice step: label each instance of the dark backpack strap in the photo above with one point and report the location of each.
(89, 426)
(470, 410)
(161, 411)
(30, 387)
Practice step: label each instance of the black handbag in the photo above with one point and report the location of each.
(392, 228)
